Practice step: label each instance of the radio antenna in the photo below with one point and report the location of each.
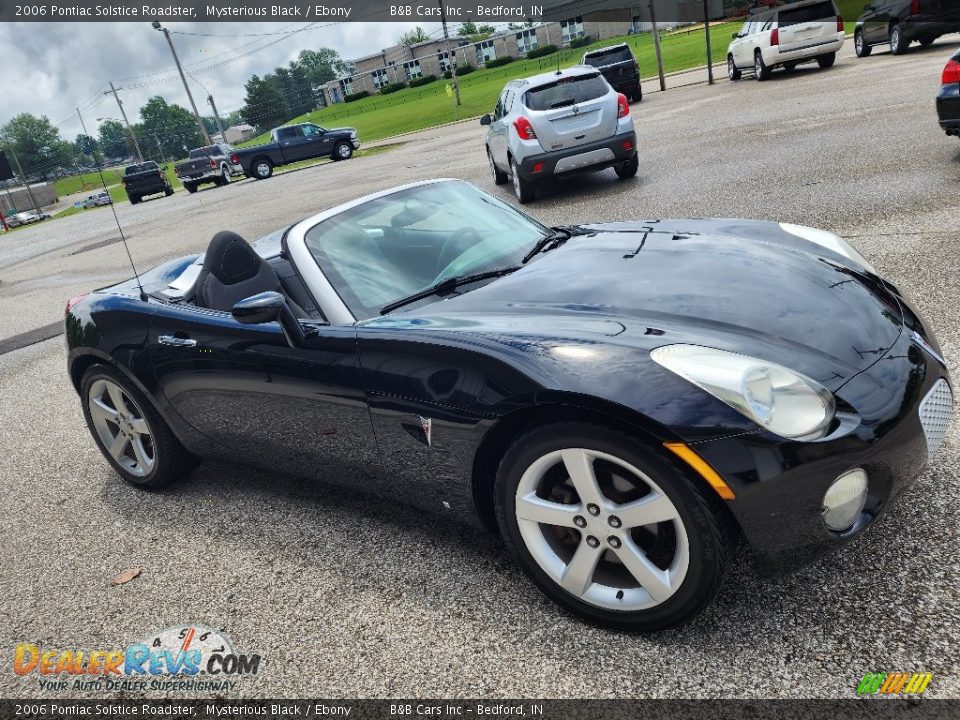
(113, 209)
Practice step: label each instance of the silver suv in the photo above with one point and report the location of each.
(559, 123)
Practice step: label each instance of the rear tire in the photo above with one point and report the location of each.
(524, 189)
(861, 46)
(134, 199)
(190, 187)
(343, 151)
(168, 191)
(499, 176)
(224, 178)
(638, 95)
(760, 69)
(628, 168)
(733, 72)
(262, 169)
(130, 433)
(660, 568)
(826, 61)
(789, 67)
(898, 44)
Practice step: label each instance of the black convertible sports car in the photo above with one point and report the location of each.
(619, 401)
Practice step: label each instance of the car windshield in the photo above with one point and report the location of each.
(566, 91)
(394, 246)
(142, 167)
(204, 152)
(820, 11)
(601, 58)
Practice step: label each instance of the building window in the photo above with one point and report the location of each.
(486, 52)
(571, 29)
(526, 41)
(347, 85)
(444, 60)
(379, 78)
(412, 68)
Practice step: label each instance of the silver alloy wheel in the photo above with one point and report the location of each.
(343, 150)
(493, 167)
(592, 546)
(122, 427)
(226, 176)
(858, 43)
(263, 169)
(895, 38)
(757, 66)
(730, 68)
(516, 179)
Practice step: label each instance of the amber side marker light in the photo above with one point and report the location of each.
(702, 467)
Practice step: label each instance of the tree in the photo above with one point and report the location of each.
(85, 145)
(114, 139)
(412, 37)
(468, 28)
(321, 66)
(263, 106)
(37, 143)
(170, 128)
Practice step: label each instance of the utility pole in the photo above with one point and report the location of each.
(216, 117)
(123, 113)
(451, 58)
(23, 177)
(656, 45)
(706, 28)
(196, 114)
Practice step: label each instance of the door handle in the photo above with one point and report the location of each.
(176, 341)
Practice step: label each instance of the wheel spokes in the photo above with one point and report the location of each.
(651, 578)
(649, 510)
(139, 426)
(118, 447)
(101, 411)
(531, 507)
(578, 575)
(116, 396)
(140, 453)
(579, 465)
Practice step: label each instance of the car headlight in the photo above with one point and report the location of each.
(776, 398)
(829, 241)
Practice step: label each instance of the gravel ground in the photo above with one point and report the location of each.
(345, 596)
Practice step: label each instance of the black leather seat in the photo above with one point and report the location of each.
(232, 271)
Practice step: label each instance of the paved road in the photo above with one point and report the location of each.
(346, 596)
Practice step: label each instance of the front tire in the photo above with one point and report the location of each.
(826, 61)
(861, 46)
(628, 168)
(898, 44)
(523, 189)
(132, 437)
(168, 191)
(760, 69)
(134, 199)
(190, 187)
(610, 529)
(343, 151)
(733, 72)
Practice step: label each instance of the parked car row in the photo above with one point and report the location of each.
(27, 217)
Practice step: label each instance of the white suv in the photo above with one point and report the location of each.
(787, 36)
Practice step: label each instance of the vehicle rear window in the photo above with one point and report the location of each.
(820, 11)
(142, 167)
(600, 58)
(566, 91)
(204, 152)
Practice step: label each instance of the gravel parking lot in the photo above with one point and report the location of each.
(345, 596)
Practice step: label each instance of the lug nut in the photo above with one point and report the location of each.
(593, 509)
(592, 541)
(580, 521)
(615, 521)
(614, 541)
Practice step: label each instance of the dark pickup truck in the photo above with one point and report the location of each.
(619, 66)
(144, 179)
(900, 22)
(293, 143)
(209, 164)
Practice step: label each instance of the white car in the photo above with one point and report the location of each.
(100, 198)
(786, 36)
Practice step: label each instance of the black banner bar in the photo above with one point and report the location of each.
(873, 708)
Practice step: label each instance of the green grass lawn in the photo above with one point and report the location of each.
(381, 116)
(87, 182)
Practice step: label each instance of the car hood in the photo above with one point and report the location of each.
(747, 287)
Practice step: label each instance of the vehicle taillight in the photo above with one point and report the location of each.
(213, 163)
(951, 73)
(123, 180)
(159, 173)
(235, 159)
(775, 37)
(915, 7)
(839, 23)
(73, 301)
(623, 107)
(524, 129)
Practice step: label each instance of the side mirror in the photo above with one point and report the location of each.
(868, 6)
(736, 36)
(270, 307)
(486, 119)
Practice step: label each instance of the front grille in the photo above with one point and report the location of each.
(935, 411)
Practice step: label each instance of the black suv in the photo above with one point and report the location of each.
(900, 22)
(618, 65)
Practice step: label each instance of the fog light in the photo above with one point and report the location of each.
(844, 499)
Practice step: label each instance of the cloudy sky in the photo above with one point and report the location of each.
(53, 68)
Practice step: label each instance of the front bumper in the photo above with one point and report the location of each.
(590, 157)
(780, 484)
(948, 108)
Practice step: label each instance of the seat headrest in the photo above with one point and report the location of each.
(230, 258)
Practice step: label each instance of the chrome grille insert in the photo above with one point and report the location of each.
(935, 411)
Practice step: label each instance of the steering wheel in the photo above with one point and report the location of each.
(459, 241)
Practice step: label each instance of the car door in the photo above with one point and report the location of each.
(878, 29)
(318, 143)
(744, 49)
(298, 410)
(293, 143)
(498, 133)
(738, 45)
